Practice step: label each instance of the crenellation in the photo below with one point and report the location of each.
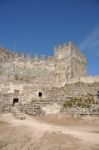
(35, 57)
(67, 62)
(28, 58)
(43, 80)
(43, 57)
(22, 57)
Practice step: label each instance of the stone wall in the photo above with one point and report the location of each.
(33, 99)
(37, 83)
(87, 79)
(74, 90)
(67, 63)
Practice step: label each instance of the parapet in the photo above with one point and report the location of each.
(60, 52)
(63, 51)
(69, 50)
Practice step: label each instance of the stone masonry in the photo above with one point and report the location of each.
(37, 82)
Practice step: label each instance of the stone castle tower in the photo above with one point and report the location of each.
(67, 63)
(73, 62)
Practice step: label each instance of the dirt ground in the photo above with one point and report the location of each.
(50, 132)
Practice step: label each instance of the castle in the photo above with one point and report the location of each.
(42, 81)
(67, 63)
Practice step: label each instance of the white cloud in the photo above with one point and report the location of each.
(92, 41)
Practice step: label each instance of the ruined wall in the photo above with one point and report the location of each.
(31, 97)
(34, 75)
(42, 82)
(61, 94)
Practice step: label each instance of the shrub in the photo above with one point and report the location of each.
(79, 102)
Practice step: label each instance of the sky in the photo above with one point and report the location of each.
(36, 26)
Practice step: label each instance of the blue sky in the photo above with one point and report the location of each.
(36, 26)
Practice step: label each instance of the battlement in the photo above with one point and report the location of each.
(68, 50)
(67, 63)
(32, 81)
(64, 50)
(7, 54)
(60, 52)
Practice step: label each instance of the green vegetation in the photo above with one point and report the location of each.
(79, 102)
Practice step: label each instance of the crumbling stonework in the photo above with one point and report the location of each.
(35, 83)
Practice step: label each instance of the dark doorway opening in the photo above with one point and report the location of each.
(40, 94)
(97, 94)
(15, 100)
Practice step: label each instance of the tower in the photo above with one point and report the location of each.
(71, 63)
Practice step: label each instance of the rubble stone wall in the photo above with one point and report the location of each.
(39, 82)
